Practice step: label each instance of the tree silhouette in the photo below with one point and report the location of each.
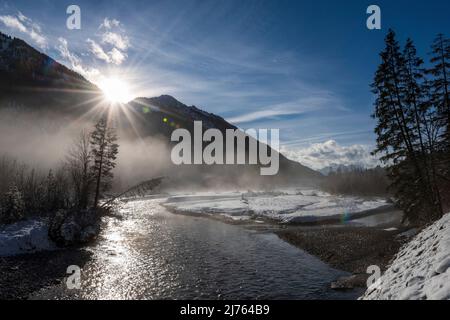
(402, 111)
(440, 96)
(79, 161)
(104, 153)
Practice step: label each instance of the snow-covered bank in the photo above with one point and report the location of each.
(421, 270)
(24, 237)
(291, 206)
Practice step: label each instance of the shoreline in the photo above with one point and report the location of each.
(350, 249)
(22, 275)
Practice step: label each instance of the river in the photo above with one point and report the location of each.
(154, 254)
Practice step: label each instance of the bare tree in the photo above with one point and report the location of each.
(79, 162)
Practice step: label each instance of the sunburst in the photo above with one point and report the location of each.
(115, 90)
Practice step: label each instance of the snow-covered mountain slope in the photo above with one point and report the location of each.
(421, 270)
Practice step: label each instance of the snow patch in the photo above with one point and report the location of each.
(25, 237)
(421, 270)
(287, 206)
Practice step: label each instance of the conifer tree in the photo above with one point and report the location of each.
(104, 154)
(12, 205)
(440, 98)
(417, 104)
(399, 124)
(440, 85)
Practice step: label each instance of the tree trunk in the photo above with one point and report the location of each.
(99, 177)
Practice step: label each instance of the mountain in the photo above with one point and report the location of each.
(21, 63)
(153, 111)
(29, 77)
(32, 81)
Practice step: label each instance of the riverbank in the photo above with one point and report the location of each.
(421, 269)
(351, 249)
(22, 275)
(354, 245)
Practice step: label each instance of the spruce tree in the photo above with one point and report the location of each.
(394, 134)
(440, 84)
(440, 99)
(417, 104)
(12, 206)
(104, 154)
(397, 91)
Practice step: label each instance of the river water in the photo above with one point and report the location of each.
(154, 254)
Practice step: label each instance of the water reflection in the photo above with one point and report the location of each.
(153, 254)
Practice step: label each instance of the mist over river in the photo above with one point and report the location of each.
(154, 254)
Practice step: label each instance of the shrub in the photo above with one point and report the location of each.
(12, 206)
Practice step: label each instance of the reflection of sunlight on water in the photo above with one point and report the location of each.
(152, 254)
(120, 266)
(117, 259)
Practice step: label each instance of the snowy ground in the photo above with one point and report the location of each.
(288, 206)
(421, 270)
(24, 237)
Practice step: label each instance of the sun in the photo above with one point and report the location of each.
(115, 90)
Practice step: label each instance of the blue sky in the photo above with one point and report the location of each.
(301, 66)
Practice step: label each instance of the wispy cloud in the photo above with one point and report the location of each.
(117, 40)
(13, 23)
(263, 114)
(109, 23)
(296, 107)
(110, 47)
(75, 61)
(330, 153)
(114, 56)
(23, 24)
(112, 44)
(98, 51)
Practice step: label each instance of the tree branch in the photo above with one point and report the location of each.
(139, 189)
